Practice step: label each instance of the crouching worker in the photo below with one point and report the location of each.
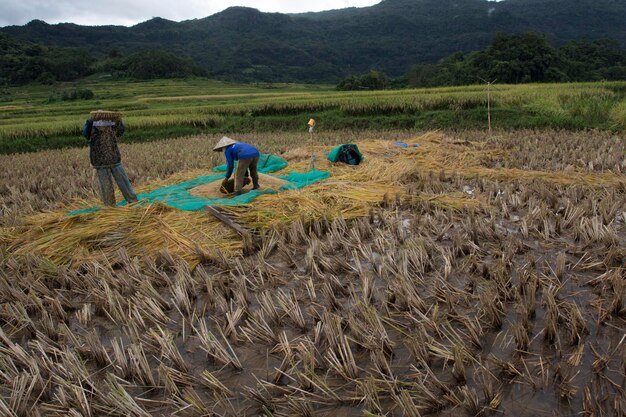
(247, 157)
(101, 131)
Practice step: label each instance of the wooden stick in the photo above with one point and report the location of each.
(251, 242)
(228, 222)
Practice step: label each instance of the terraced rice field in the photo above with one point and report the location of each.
(34, 120)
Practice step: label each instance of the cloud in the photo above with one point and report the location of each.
(124, 12)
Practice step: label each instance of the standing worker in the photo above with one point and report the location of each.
(247, 157)
(102, 130)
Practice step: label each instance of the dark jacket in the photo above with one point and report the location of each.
(102, 136)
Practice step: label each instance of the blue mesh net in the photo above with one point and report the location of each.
(178, 196)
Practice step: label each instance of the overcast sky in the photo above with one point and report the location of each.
(128, 13)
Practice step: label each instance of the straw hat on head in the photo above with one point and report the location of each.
(224, 142)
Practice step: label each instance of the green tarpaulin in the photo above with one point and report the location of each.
(178, 196)
(335, 154)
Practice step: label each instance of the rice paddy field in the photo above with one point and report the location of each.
(472, 274)
(35, 118)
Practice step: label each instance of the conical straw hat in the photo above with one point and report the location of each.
(224, 142)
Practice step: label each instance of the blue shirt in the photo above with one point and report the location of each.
(238, 152)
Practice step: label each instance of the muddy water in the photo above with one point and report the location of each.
(545, 383)
(537, 391)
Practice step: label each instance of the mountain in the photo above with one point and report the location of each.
(245, 44)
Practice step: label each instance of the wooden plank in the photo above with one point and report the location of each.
(250, 242)
(228, 221)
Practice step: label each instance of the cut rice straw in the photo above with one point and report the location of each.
(349, 193)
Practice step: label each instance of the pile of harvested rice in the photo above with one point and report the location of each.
(102, 235)
(212, 189)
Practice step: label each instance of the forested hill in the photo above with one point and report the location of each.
(245, 44)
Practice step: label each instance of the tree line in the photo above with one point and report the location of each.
(24, 62)
(510, 59)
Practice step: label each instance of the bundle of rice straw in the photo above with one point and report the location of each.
(147, 230)
(112, 116)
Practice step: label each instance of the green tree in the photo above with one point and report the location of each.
(422, 75)
(154, 64)
(24, 62)
(373, 80)
(594, 60)
(513, 58)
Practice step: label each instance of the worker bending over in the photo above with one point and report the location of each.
(247, 157)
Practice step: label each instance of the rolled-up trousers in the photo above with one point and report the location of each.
(240, 172)
(105, 179)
